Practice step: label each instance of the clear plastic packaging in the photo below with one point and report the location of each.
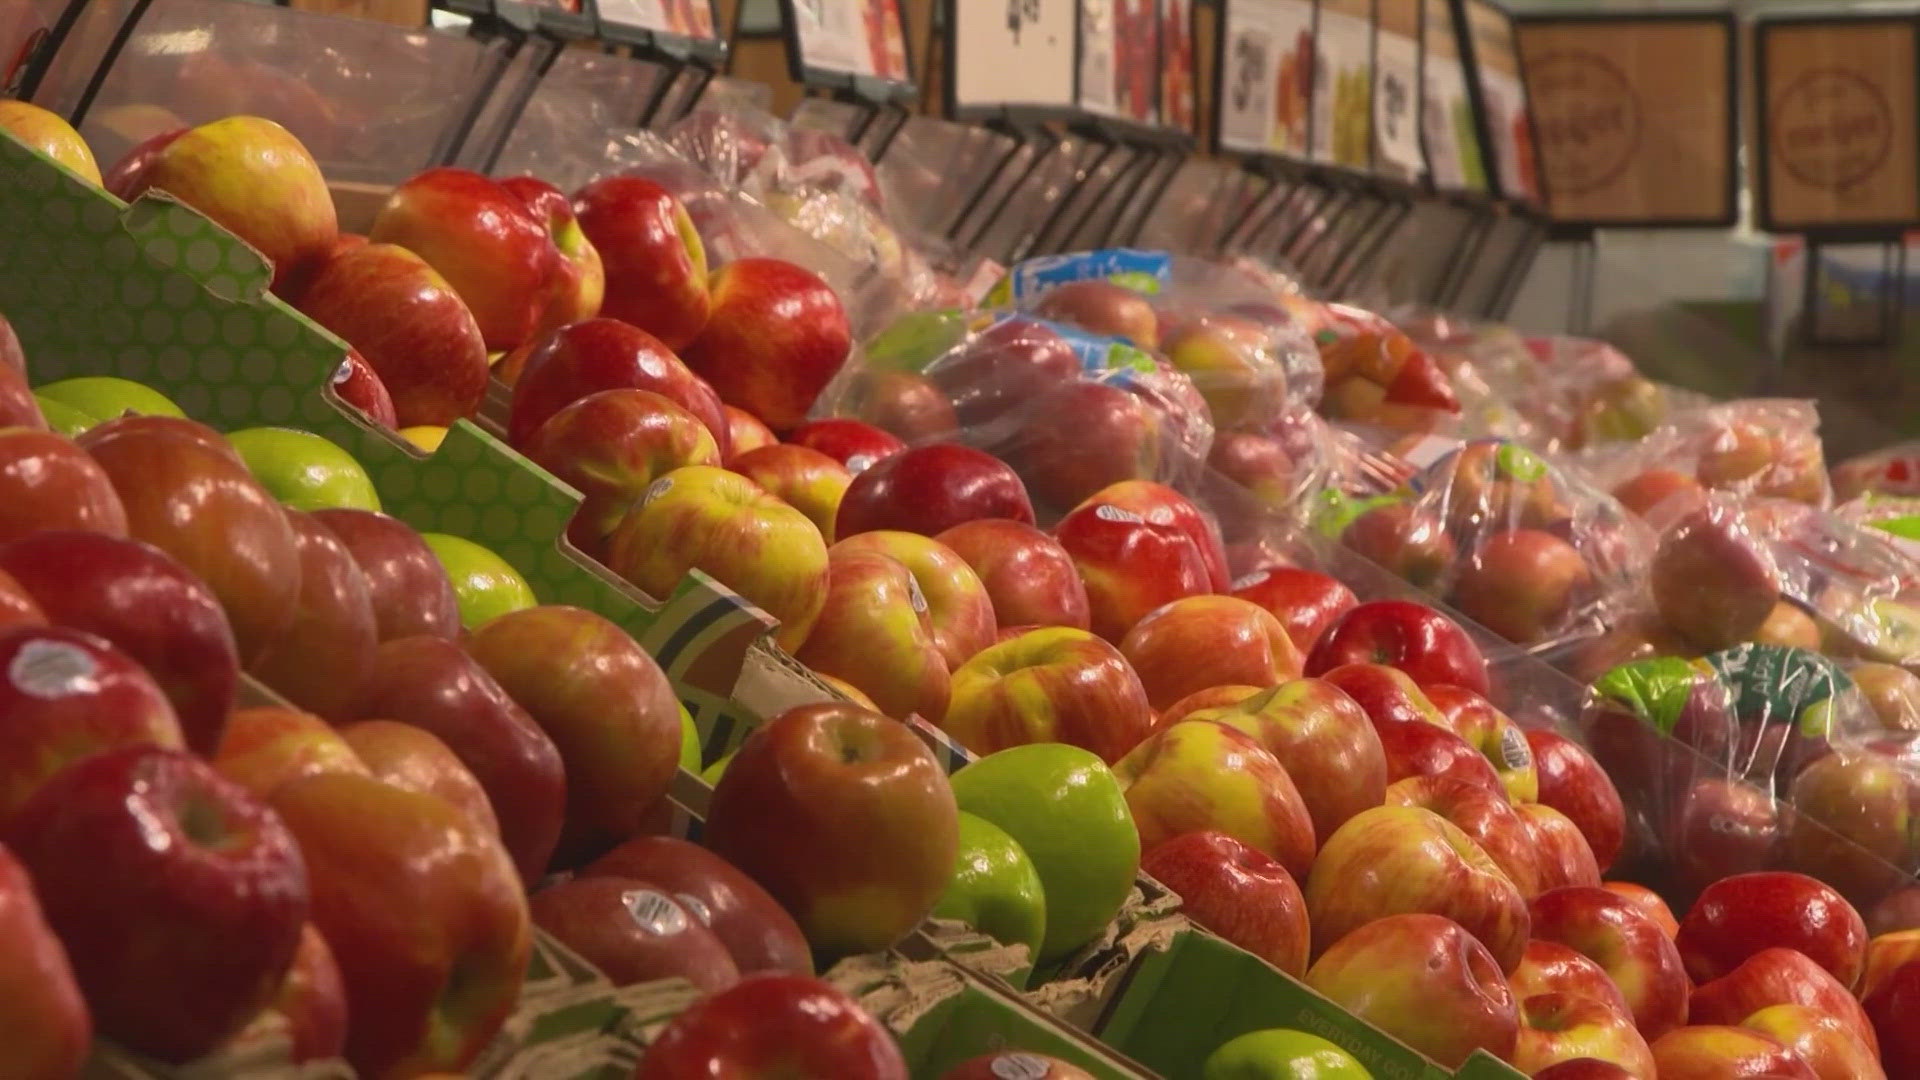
(1375, 373)
(1761, 447)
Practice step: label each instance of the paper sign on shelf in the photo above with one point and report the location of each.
(1396, 88)
(1017, 53)
(1177, 89)
(1446, 110)
(1343, 84)
(1265, 76)
(682, 18)
(863, 38)
(1120, 59)
(1509, 129)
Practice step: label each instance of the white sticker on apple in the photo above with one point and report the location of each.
(1248, 581)
(342, 373)
(1110, 512)
(656, 489)
(914, 596)
(50, 670)
(1515, 753)
(655, 912)
(1019, 1067)
(860, 463)
(696, 905)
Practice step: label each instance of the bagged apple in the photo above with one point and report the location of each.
(1892, 470)
(1376, 373)
(1765, 447)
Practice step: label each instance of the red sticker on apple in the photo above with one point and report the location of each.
(655, 912)
(1019, 1067)
(51, 669)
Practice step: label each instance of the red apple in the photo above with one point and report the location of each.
(1572, 782)
(416, 759)
(874, 631)
(1416, 748)
(208, 895)
(1892, 1006)
(434, 967)
(68, 694)
(1424, 980)
(959, 611)
(1236, 892)
(1322, 738)
(1649, 902)
(605, 354)
(406, 584)
(1029, 577)
(870, 829)
(929, 489)
(902, 404)
(1116, 435)
(1824, 1043)
(17, 405)
(46, 482)
(808, 480)
(578, 285)
(1395, 860)
(1048, 684)
(858, 446)
(483, 239)
(11, 354)
(321, 658)
(632, 932)
(1562, 1027)
(1407, 541)
(1548, 967)
(45, 1029)
(359, 386)
(1713, 579)
(1564, 857)
(656, 266)
(147, 605)
(1852, 824)
(1162, 505)
(1738, 916)
(1414, 638)
(1718, 1051)
(411, 327)
(776, 336)
(1387, 694)
(1103, 307)
(311, 1005)
(1777, 976)
(609, 710)
(1486, 818)
(1201, 641)
(1585, 1069)
(1644, 491)
(758, 933)
(430, 683)
(1006, 367)
(769, 1023)
(1305, 601)
(252, 177)
(1261, 464)
(1614, 933)
(17, 606)
(1198, 776)
(1129, 565)
(611, 446)
(1494, 734)
(1522, 584)
(1217, 703)
(264, 747)
(745, 433)
(703, 518)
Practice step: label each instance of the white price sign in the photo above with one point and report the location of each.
(1265, 77)
(853, 37)
(1097, 66)
(685, 18)
(1342, 89)
(1013, 52)
(1396, 96)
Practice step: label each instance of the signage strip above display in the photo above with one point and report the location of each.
(1838, 145)
(849, 45)
(1449, 131)
(678, 28)
(1263, 79)
(1498, 88)
(1637, 117)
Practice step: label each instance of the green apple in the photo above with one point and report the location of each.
(304, 470)
(689, 742)
(1282, 1054)
(103, 397)
(1064, 807)
(483, 584)
(995, 888)
(711, 774)
(62, 417)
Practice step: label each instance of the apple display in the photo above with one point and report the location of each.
(209, 895)
(1279, 1053)
(1050, 684)
(1199, 776)
(1236, 892)
(1103, 307)
(903, 404)
(1717, 1051)
(1116, 435)
(1129, 565)
(1161, 505)
(1430, 647)
(1029, 577)
(577, 287)
(871, 830)
(1522, 584)
(1319, 735)
(1562, 852)
(321, 658)
(1735, 917)
(1395, 860)
(606, 354)
(1891, 1006)
(1494, 734)
(1824, 1043)
(357, 384)
(49, 133)
(757, 932)
(1215, 701)
(853, 443)
(929, 489)
(776, 335)
(655, 263)
(805, 479)
(1548, 967)
(1852, 824)
(1305, 601)
(416, 759)
(1067, 811)
(408, 587)
(19, 406)
(874, 631)
(1424, 980)
(959, 611)
(771, 1023)
(1713, 580)
(1489, 820)
(266, 746)
(431, 683)
(1649, 902)
(1200, 641)
(1572, 782)
(409, 325)
(147, 605)
(1778, 976)
(632, 932)
(1562, 1027)
(746, 433)
(611, 446)
(432, 970)
(1628, 945)
(705, 518)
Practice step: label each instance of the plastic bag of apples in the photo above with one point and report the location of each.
(1764, 447)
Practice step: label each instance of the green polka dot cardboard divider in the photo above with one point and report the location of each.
(157, 293)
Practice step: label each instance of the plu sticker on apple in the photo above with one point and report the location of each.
(1019, 1067)
(50, 670)
(655, 912)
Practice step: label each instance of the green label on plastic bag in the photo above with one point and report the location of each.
(1655, 690)
(1780, 685)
